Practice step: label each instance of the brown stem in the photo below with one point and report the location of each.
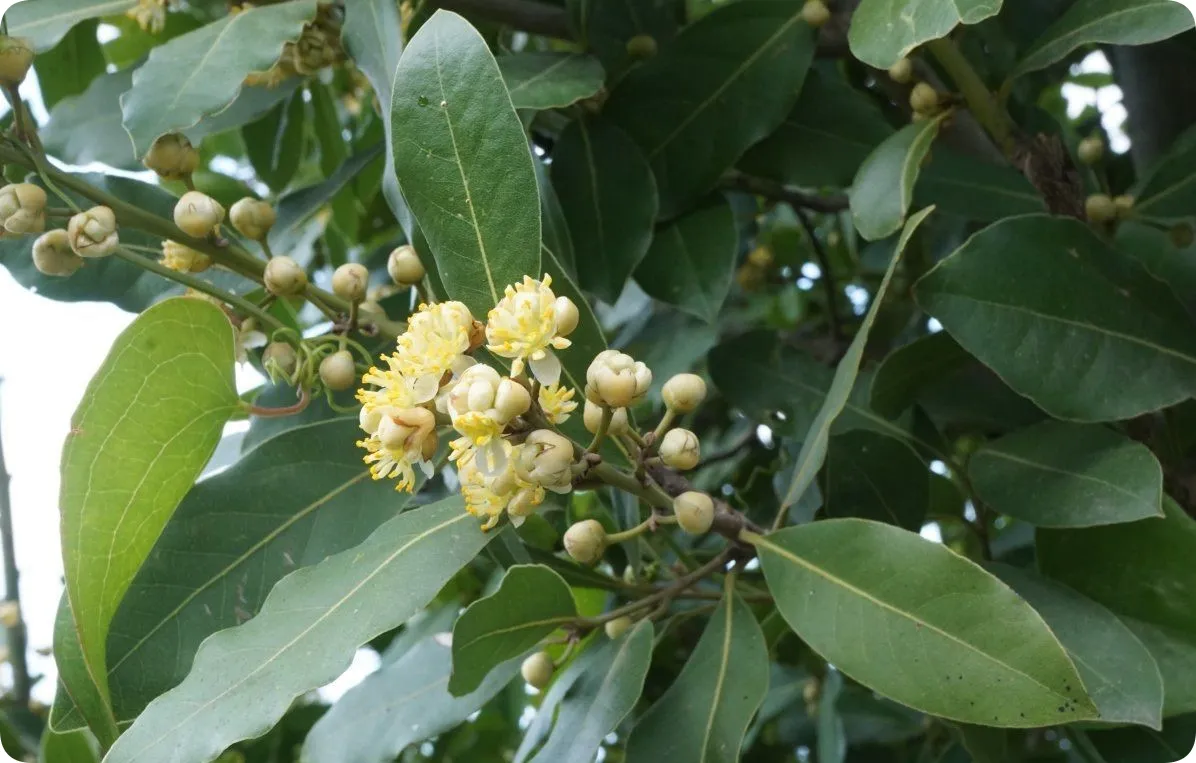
(770, 189)
(21, 682)
(829, 284)
(274, 413)
(664, 594)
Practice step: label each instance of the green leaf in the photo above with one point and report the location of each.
(608, 195)
(1122, 330)
(1153, 601)
(884, 31)
(71, 747)
(590, 698)
(531, 602)
(908, 370)
(964, 185)
(404, 703)
(274, 143)
(77, 700)
(726, 83)
(832, 736)
(1119, 674)
(874, 476)
(373, 35)
(692, 260)
(87, 128)
(1134, 744)
(883, 189)
(1167, 192)
(550, 80)
(825, 138)
(899, 594)
(464, 164)
(199, 73)
(1057, 474)
(1112, 22)
(606, 27)
(704, 714)
(245, 678)
(813, 449)
(45, 22)
(557, 239)
(298, 205)
(71, 66)
(588, 339)
(148, 422)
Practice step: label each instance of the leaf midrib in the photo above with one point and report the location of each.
(724, 664)
(995, 453)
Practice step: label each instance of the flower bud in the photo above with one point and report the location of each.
(198, 214)
(680, 449)
(546, 459)
(616, 380)
(1091, 150)
(684, 392)
(617, 627)
(284, 277)
(511, 399)
(253, 219)
(564, 312)
(52, 254)
(924, 99)
(281, 356)
(1124, 205)
(1099, 208)
(10, 614)
(172, 156)
(349, 281)
(184, 259)
(902, 71)
(694, 511)
(338, 371)
(404, 266)
(1182, 235)
(585, 541)
(592, 417)
(406, 429)
(23, 208)
(537, 670)
(641, 46)
(815, 13)
(16, 56)
(93, 233)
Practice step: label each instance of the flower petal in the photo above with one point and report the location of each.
(547, 369)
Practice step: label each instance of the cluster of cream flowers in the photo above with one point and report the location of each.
(433, 377)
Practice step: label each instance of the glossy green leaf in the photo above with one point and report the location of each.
(1153, 247)
(71, 65)
(1057, 474)
(199, 73)
(87, 127)
(151, 416)
(692, 260)
(883, 189)
(608, 196)
(588, 339)
(704, 714)
(906, 371)
(404, 703)
(1120, 675)
(975, 189)
(1166, 193)
(973, 651)
(299, 205)
(1120, 330)
(464, 164)
(825, 138)
(274, 142)
(531, 602)
(813, 449)
(1112, 22)
(725, 83)
(550, 80)
(245, 678)
(557, 239)
(1135, 744)
(71, 747)
(874, 476)
(832, 736)
(605, 27)
(45, 22)
(77, 700)
(883, 31)
(1153, 601)
(590, 698)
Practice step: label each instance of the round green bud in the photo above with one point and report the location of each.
(617, 627)
(585, 541)
(902, 72)
(338, 371)
(815, 13)
(694, 511)
(680, 449)
(1091, 150)
(349, 281)
(405, 267)
(684, 392)
(282, 356)
(1099, 208)
(924, 99)
(641, 46)
(537, 670)
(284, 277)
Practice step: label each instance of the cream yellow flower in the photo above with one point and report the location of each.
(436, 340)
(528, 324)
(398, 440)
(481, 403)
(490, 494)
(557, 402)
(184, 259)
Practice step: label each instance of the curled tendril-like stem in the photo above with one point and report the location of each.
(290, 410)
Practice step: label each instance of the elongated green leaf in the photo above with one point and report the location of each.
(704, 714)
(974, 651)
(199, 73)
(273, 142)
(1121, 330)
(464, 164)
(964, 185)
(71, 66)
(245, 678)
(906, 371)
(300, 204)
(531, 602)
(550, 80)
(1153, 601)
(591, 697)
(813, 449)
(1115, 22)
(1166, 193)
(373, 35)
(1056, 474)
(725, 83)
(883, 31)
(606, 27)
(692, 261)
(71, 747)
(77, 700)
(557, 239)
(143, 431)
(874, 476)
(832, 736)
(87, 127)
(1119, 674)
(45, 22)
(608, 196)
(883, 189)
(404, 703)
(1134, 744)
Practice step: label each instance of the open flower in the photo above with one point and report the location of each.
(399, 439)
(528, 324)
(490, 493)
(557, 402)
(481, 404)
(436, 340)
